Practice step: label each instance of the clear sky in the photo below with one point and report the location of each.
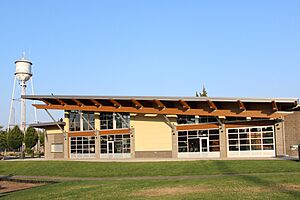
(171, 48)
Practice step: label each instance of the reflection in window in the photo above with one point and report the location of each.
(82, 147)
(251, 139)
(115, 143)
(79, 124)
(194, 140)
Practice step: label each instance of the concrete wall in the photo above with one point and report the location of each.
(153, 136)
(292, 132)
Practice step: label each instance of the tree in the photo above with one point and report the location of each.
(42, 138)
(197, 95)
(204, 92)
(3, 141)
(15, 138)
(30, 140)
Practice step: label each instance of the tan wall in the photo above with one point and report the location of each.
(53, 139)
(97, 121)
(67, 121)
(152, 133)
(292, 132)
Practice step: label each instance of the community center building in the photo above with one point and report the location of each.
(109, 127)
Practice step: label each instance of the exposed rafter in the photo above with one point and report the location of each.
(169, 111)
(115, 103)
(60, 101)
(241, 105)
(45, 101)
(137, 104)
(184, 104)
(159, 104)
(212, 105)
(79, 103)
(97, 103)
(274, 106)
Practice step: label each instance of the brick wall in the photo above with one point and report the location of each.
(292, 132)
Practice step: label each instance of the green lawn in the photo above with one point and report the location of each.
(270, 179)
(122, 169)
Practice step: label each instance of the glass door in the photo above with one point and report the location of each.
(110, 148)
(204, 144)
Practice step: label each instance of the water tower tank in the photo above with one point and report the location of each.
(23, 69)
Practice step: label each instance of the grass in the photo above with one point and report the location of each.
(130, 169)
(277, 180)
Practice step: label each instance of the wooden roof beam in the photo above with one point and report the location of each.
(115, 103)
(184, 104)
(60, 101)
(137, 104)
(274, 106)
(168, 111)
(79, 103)
(241, 105)
(212, 105)
(45, 101)
(159, 104)
(97, 103)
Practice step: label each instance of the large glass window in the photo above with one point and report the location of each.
(189, 119)
(122, 120)
(82, 147)
(115, 144)
(74, 121)
(199, 141)
(114, 120)
(106, 120)
(79, 124)
(251, 138)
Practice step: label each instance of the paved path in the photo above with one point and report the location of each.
(188, 177)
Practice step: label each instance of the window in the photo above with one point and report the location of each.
(82, 147)
(251, 139)
(79, 124)
(122, 120)
(199, 141)
(106, 120)
(189, 119)
(115, 144)
(114, 120)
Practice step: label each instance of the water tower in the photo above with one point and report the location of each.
(22, 75)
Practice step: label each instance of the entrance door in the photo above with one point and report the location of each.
(110, 148)
(204, 144)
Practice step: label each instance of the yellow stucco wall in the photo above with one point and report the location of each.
(152, 133)
(53, 130)
(67, 121)
(97, 120)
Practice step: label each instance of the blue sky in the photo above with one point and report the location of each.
(170, 48)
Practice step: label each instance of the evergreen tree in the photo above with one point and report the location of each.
(197, 95)
(42, 138)
(3, 141)
(204, 92)
(15, 138)
(30, 140)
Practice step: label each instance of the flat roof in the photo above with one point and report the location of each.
(202, 106)
(48, 124)
(164, 98)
